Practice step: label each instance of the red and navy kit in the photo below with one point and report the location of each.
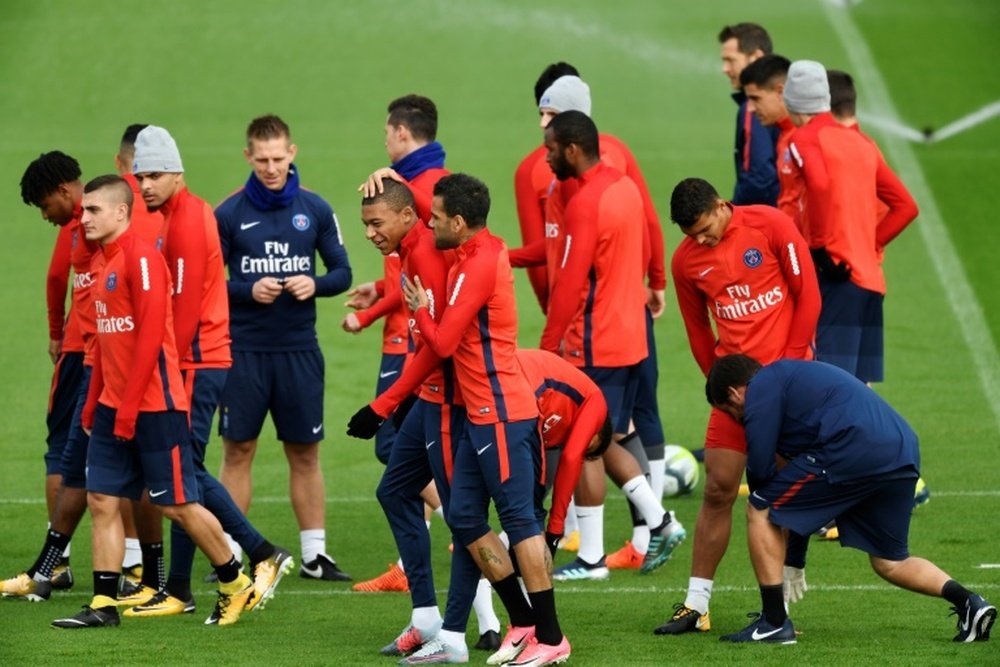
(136, 365)
(758, 284)
(535, 186)
(279, 243)
(599, 290)
(478, 330)
(846, 178)
(791, 196)
(200, 305)
(72, 251)
(756, 178)
(571, 411)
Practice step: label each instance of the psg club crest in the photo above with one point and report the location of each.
(112, 281)
(300, 222)
(752, 258)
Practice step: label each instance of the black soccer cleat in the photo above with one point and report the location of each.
(324, 568)
(975, 619)
(488, 641)
(105, 617)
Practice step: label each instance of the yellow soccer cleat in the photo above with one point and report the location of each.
(233, 597)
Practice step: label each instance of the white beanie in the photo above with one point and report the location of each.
(807, 89)
(156, 151)
(567, 93)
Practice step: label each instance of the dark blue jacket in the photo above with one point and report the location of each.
(756, 173)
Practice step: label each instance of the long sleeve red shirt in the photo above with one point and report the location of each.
(846, 178)
(758, 284)
(571, 411)
(201, 301)
(136, 366)
(599, 291)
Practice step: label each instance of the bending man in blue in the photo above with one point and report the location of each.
(821, 445)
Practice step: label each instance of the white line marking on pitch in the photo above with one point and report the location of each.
(967, 122)
(961, 298)
(989, 566)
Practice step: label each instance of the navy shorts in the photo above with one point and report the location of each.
(619, 385)
(289, 385)
(849, 333)
(872, 514)
(388, 372)
(646, 412)
(157, 458)
(73, 464)
(499, 461)
(66, 379)
(204, 391)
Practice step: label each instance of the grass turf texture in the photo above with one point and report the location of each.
(75, 75)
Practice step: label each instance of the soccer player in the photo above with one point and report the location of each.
(646, 442)
(498, 453)
(763, 83)
(137, 410)
(850, 457)
(533, 180)
(190, 243)
(52, 183)
(846, 179)
(756, 177)
(271, 231)
(748, 269)
(598, 292)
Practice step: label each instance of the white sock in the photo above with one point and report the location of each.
(453, 639)
(504, 539)
(133, 553)
(640, 493)
(699, 594)
(640, 538)
(313, 543)
(425, 618)
(439, 510)
(67, 550)
(657, 471)
(571, 523)
(235, 546)
(399, 562)
(427, 522)
(483, 606)
(591, 533)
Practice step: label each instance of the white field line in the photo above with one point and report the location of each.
(353, 500)
(967, 122)
(961, 298)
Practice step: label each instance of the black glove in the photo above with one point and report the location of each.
(836, 273)
(365, 423)
(404, 409)
(552, 541)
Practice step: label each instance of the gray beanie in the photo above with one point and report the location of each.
(807, 89)
(567, 93)
(156, 151)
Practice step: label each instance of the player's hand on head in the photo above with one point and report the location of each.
(363, 296)
(302, 287)
(373, 184)
(266, 290)
(365, 423)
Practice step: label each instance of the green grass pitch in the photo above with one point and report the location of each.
(74, 74)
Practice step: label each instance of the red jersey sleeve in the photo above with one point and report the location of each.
(57, 282)
(530, 254)
(797, 267)
(474, 284)
(93, 391)
(420, 365)
(589, 419)
(390, 302)
(809, 158)
(902, 207)
(577, 258)
(187, 256)
(694, 311)
(147, 280)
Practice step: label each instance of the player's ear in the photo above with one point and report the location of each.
(293, 150)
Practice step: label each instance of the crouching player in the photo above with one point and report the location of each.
(137, 409)
(852, 458)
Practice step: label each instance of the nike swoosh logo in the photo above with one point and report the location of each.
(523, 637)
(247, 225)
(157, 494)
(480, 451)
(317, 429)
(312, 571)
(702, 274)
(387, 374)
(105, 577)
(430, 444)
(758, 635)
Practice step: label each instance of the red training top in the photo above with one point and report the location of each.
(758, 284)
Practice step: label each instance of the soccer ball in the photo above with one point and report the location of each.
(681, 472)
